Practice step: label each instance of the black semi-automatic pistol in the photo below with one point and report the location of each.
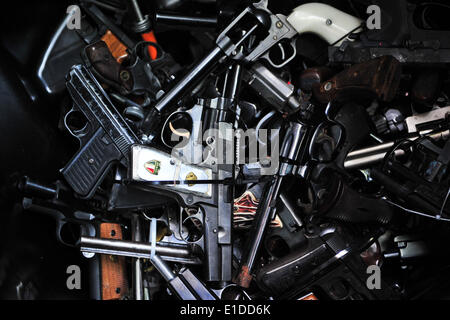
(105, 137)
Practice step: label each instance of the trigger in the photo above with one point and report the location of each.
(183, 133)
(283, 54)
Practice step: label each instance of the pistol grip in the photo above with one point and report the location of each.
(88, 167)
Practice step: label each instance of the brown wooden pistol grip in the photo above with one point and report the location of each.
(113, 268)
(378, 78)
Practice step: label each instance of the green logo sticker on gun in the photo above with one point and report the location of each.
(153, 166)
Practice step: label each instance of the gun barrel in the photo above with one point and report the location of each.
(133, 249)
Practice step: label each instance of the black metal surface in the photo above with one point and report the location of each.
(178, 21)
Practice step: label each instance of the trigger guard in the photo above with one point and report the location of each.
(294, 54)
(166, 123)
(80, 133)
(59, 226)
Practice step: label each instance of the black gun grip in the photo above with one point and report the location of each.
(88, 167)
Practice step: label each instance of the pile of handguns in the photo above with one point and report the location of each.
(223, 154)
